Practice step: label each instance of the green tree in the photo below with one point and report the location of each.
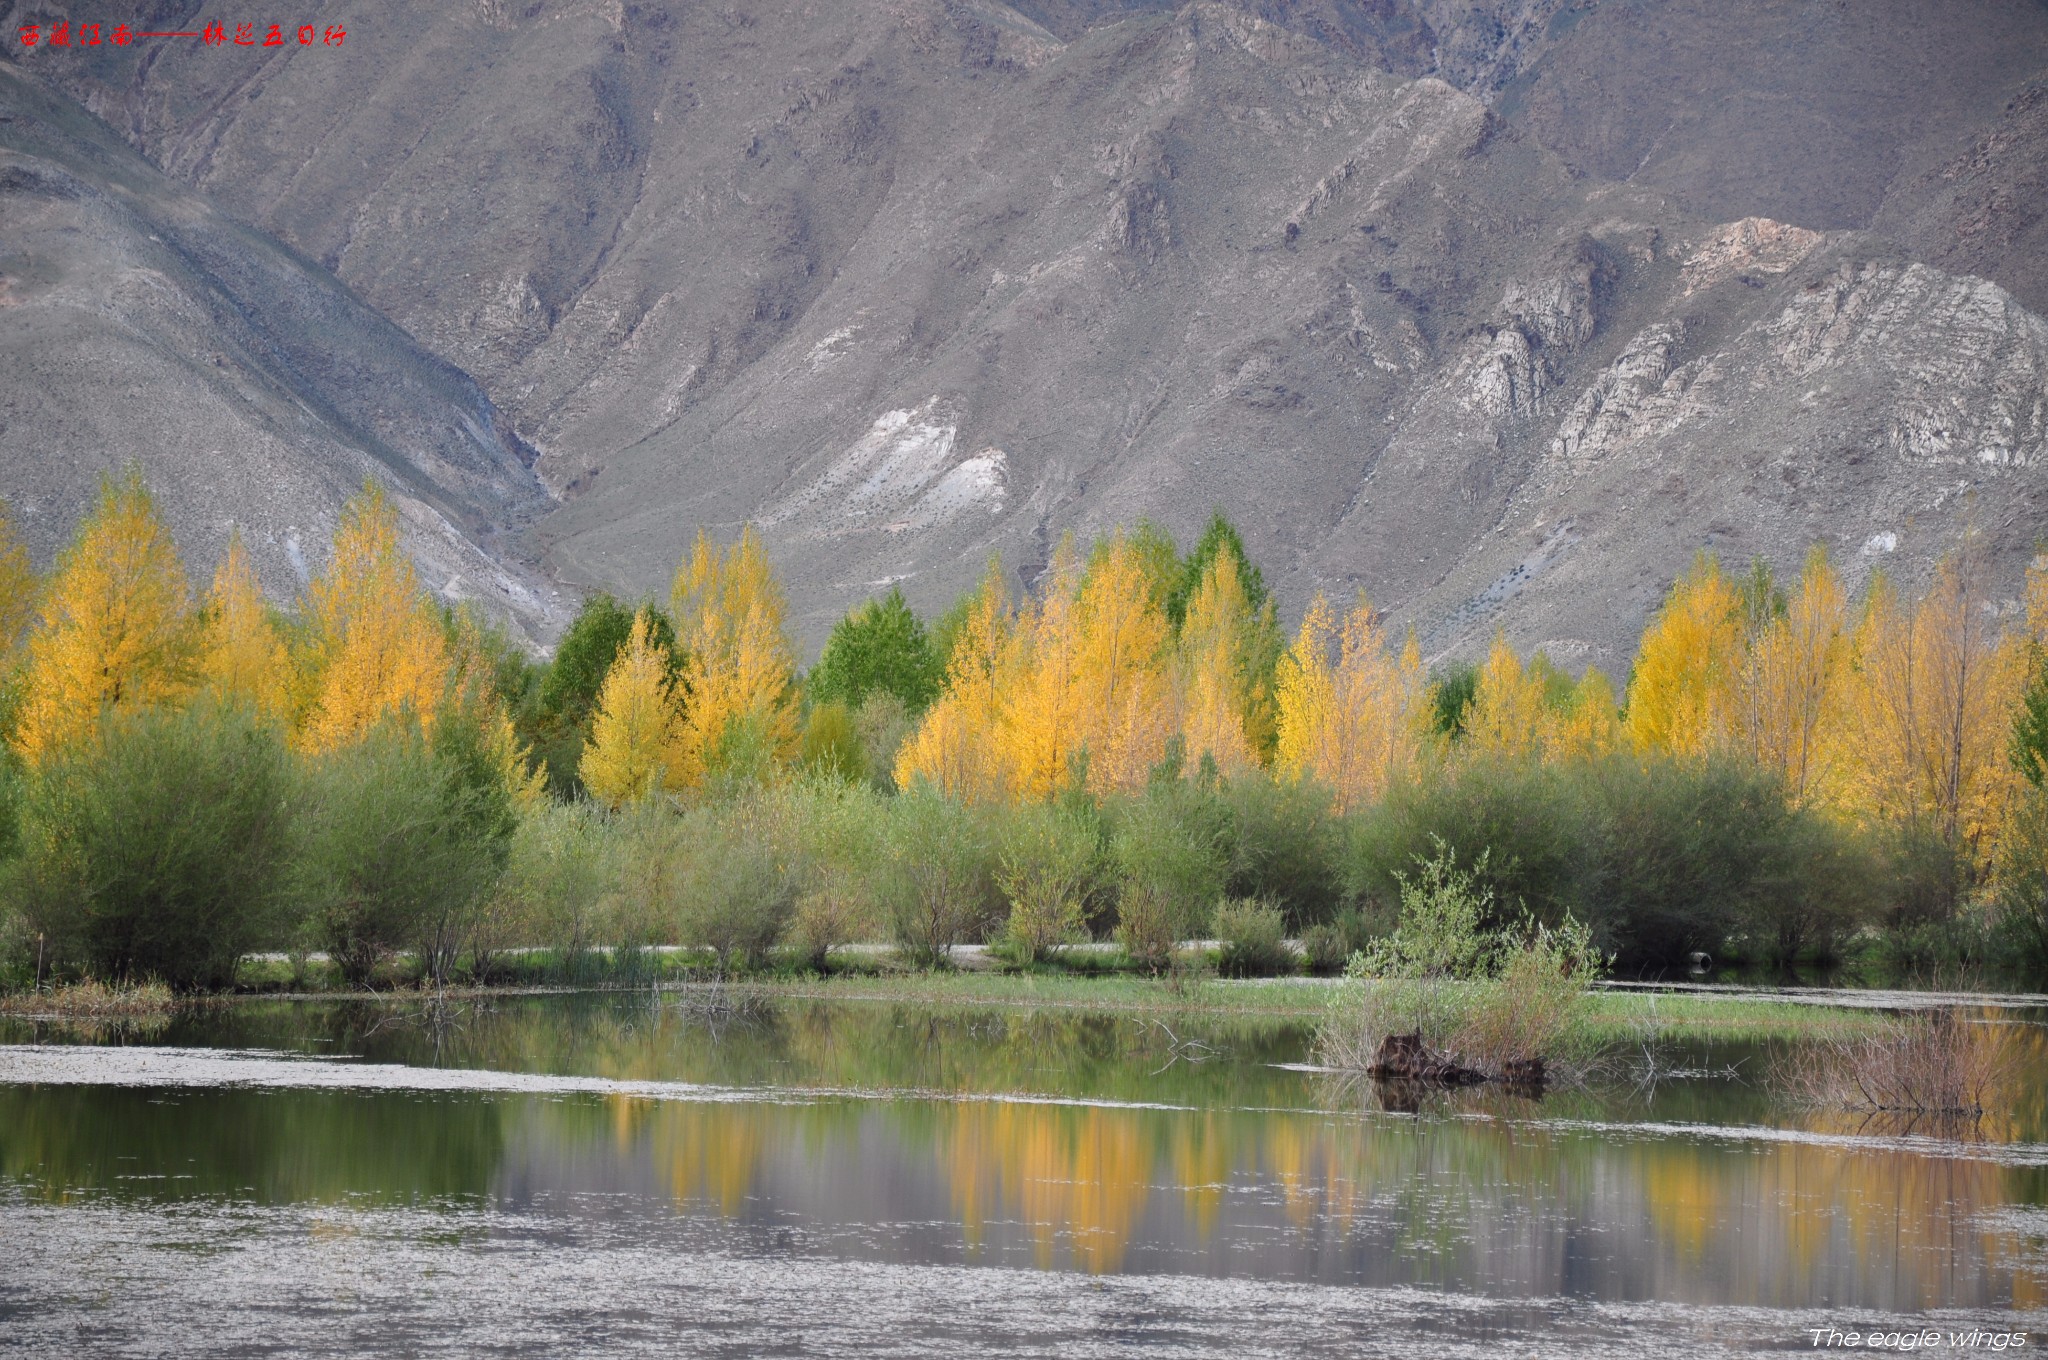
(565, 697)
(1220, 537)
(156, 847)
(879, 646)
(407, 837)
(2030, 729)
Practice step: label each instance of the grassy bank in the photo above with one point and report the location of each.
(1616, 1017)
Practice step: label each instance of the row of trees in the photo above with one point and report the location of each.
(1119, 749)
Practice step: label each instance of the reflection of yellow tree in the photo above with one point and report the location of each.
(704, 1152)
(1084, 1174)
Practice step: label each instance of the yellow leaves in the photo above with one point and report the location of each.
(1590, 726)
(1356, 725)
(635, 746)
(955, 748)
(116, 627)
(245, 661)
(1930, 699)
(1510, 714)
(1217, 689)
(375, 646)
(1127, 713)
(1040, 715)
(739, 668)
(1681, 694)
(1790, 677)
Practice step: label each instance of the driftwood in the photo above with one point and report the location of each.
(1404, 1057)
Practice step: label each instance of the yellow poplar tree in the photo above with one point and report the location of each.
(1357, 725)
(375, 646)
(955, 748)
(1510, 715)
(635, 735)
(1590, 725)
(116, 628)
(1681, 695)
(1791, 678)
(1217, 692)
(1924, 736)
(245, 660)
(1126, 704)
(1043, 705)
(739, 667)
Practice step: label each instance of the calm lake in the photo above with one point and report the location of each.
(568, 1174)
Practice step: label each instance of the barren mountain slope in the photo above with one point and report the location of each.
(138, 323)
(909, 281)
(1983, 207)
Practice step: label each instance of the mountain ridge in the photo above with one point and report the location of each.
(908, 283)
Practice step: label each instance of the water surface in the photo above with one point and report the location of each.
(561, 1173)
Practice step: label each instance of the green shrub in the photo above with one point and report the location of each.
(1254, 939)
(1047, 861)
(832, 746)
(1479, 997)
(1527, 820)
(156, 848)
(1659, 857)
(883, 724)
(407, 837)
(1684, 855)
(1327, 948)
(841, 829)
(1170, 852)
(2020, 888)
(936, 885)
(1283, 846)
(561, 874)
(739, 879)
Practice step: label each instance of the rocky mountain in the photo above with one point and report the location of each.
(138, 323)
(1498, 309)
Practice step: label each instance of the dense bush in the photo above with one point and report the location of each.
(1660, 857)
(831, 744)
(559, 887)
(841, 830)
(1527, 821)
(1475, 995)
(737, 886)
(407, 836)
(156, 848)
(1048, 859)
(1327, 948)
(936, 884)
(1253, 935)
(1170, 849)
(1705, 856)
(1283, 846)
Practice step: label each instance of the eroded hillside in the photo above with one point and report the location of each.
(1497, 311)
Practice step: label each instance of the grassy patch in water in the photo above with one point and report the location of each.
(91, 1000)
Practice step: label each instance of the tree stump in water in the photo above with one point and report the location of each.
(1404, 1057)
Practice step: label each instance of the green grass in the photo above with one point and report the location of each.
(1617, 1017)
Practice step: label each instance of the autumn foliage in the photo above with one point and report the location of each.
(1119, 742)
